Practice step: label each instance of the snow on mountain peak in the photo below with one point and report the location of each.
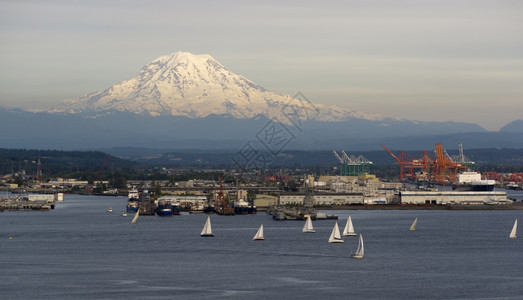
(195, 86)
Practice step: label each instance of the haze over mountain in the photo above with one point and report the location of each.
(187, 101)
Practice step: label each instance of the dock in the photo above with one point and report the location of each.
(26, 203)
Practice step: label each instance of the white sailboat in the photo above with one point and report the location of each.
(513, 233)
(308, 226)
(349, 229)
(413, 226)
(135, 217)
(207, 230)
(335, 235)
(360, 251)
(259, 235)
(109, 209)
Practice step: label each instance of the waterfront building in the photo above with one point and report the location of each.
(454, 197)
(323, 199)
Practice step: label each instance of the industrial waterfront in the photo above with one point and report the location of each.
(80, 250)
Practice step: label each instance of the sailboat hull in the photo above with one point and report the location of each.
(356, 256)
(206, 235)
(350, 234)
(309, 231)
(336, 241)
(259, 239)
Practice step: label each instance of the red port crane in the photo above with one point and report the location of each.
(89, 188)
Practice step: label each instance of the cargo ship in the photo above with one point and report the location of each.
(476, 186)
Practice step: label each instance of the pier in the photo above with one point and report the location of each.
(19, 202)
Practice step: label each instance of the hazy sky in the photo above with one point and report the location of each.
(423, 60)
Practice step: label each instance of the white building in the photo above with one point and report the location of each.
(454, 197)
(324, 199)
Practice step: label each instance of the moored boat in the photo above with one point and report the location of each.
(241, 207)
(209, 209)
(163, 208)
(132, 200)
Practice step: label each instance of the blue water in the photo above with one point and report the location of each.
(80, 251)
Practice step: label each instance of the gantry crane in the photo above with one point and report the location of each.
(409, 165)
(439, 168)
(352, 165)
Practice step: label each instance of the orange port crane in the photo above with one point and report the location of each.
(409, 165)
(221, 195)
(445, 169)
(439, 168)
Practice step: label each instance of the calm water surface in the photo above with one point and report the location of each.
(80, 251)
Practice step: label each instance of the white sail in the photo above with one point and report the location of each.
(207, 230)
(513, 233)
(135, 217)
(335, 235)
(361, 249)
(259, 234)
(413, 226)
(349, 229)
(308, 225)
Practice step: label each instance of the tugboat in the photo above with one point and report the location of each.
(175, 207)
(209, 208)
(241, 207)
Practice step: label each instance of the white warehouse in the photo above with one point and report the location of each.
(454, 197)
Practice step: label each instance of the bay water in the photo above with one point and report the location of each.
(81, 251)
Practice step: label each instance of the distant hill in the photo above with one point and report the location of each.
(22, 129)
(55, 163)
(514, 126)
(301, 159)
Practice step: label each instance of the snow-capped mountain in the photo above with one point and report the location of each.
(196, 86)
(188, 101)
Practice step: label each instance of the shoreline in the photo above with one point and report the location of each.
(515, 206)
